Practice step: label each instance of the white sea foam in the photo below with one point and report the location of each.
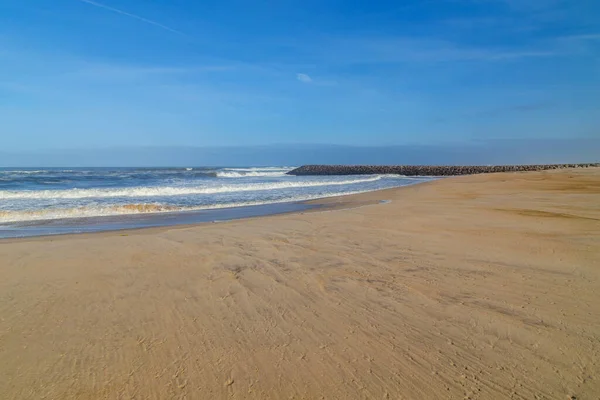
(158, 191)
(25, 172)
(143, 208)
(251, 169)
(265, 174)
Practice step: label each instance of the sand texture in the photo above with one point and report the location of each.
(477, 287)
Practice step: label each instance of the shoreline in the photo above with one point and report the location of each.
(134, 222)
(324, 204)
(479, 286)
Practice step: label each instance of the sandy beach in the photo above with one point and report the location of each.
(475, 287)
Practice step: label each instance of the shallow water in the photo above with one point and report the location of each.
(58, 200)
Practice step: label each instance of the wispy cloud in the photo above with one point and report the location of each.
(589, 36)
(524, 4)
(148, 21)
(584, 44)
(515, 108)
(518, 54)
(501, 111)
(515, 16)
(304, 78)
(119, 72)
(395, 50)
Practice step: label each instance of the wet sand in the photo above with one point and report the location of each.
(474, 287)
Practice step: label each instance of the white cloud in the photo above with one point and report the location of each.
(304, 78)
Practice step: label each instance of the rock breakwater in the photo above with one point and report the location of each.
(425, 170)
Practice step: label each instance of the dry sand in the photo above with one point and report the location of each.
(475, 287)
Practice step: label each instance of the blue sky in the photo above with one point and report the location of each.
(87, 74)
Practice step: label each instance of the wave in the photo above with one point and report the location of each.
(267, 172)
(248, 174)
(165, 191)
(25, 172)
(82, 212)
(144, 208)
(250, 169)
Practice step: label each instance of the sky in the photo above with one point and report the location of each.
(82, 74)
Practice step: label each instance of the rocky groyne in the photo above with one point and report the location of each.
(425, 170)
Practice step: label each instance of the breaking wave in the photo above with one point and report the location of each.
(265, 174)
(250, 169)
(32, 172)
(158, 191)
(141, 208)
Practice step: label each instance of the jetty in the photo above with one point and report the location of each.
(426, 170)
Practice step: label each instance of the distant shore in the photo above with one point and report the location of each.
(481, 287)
(427, 170)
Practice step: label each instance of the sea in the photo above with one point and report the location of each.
(46, 201)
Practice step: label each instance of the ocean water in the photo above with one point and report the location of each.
(60, 200)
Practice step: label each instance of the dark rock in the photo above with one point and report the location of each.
(424, 170)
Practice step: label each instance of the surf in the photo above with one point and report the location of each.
(167, 191)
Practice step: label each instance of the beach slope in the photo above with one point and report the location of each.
(473, 287)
